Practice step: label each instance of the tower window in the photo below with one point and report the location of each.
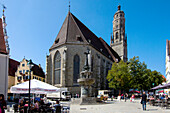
(120, 15)
(116, 35)
(116, 26)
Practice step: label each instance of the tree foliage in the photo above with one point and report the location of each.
(133, 75)
(118, 76)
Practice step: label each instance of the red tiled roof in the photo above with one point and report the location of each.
(72, 27)
(13, 65)
(164, 77)
(2, 41)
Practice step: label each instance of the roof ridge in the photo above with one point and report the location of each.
(78, 27)
(108, 49)
(67, 26)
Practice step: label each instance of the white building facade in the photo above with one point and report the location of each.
(4, 57)
(167, 60)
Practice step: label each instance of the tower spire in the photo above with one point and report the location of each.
(4, 29)
(69, 6)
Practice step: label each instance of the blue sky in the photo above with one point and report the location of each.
(33, 25)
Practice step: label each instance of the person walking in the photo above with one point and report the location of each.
(126, 96)
(144, 101)
(2, 104)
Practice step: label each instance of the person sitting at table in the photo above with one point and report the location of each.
(26, 107)
(57, 107)
(21, 106)
(36, 107)
(162, 97)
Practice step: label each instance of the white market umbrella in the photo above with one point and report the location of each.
(37, 87)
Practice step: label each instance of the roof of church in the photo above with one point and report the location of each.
(2, 41)
(74, 31)
(13, 65)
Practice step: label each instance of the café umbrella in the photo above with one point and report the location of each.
(37, 87)
(157, 87)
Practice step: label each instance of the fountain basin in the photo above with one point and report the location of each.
(86, 81)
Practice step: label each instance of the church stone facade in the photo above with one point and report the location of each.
(67, 59)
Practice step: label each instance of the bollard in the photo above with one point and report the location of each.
(8, 108)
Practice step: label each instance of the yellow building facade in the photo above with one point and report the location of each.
(23, 72)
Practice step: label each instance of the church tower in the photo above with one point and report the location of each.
(118, 38)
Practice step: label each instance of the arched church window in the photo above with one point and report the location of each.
(116, 35)
(76, 72)
(57, 68)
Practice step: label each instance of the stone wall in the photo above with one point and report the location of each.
(69, 51)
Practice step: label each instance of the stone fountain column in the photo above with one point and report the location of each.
(85, 81)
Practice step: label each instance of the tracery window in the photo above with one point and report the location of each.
(57, 68)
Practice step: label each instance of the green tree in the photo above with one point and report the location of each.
(137, 71)
(119, 77)
(142, 78)
(133, 75)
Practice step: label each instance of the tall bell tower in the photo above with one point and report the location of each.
(119, 38)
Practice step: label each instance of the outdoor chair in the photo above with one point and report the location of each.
(58, 109)
(16, 108)
(168, 104)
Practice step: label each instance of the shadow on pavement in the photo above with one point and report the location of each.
(151, 109)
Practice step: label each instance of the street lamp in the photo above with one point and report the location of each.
(152, 87)
(30, 63)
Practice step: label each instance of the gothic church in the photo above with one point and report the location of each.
(66, 59)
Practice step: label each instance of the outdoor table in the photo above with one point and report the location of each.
(152, 100)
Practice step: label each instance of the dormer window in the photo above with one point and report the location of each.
(101, 49)
(57, 41)
(78, 38)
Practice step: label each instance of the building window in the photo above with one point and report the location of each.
(43, 80)
(19, 78)
(76, 68)
(24, 77)
(120, 15)
(20, 71)
(23, 71)
(116, 26)
(23, 65)
(40, 79)
(27, 71)
(57, 68)
(116, 35)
